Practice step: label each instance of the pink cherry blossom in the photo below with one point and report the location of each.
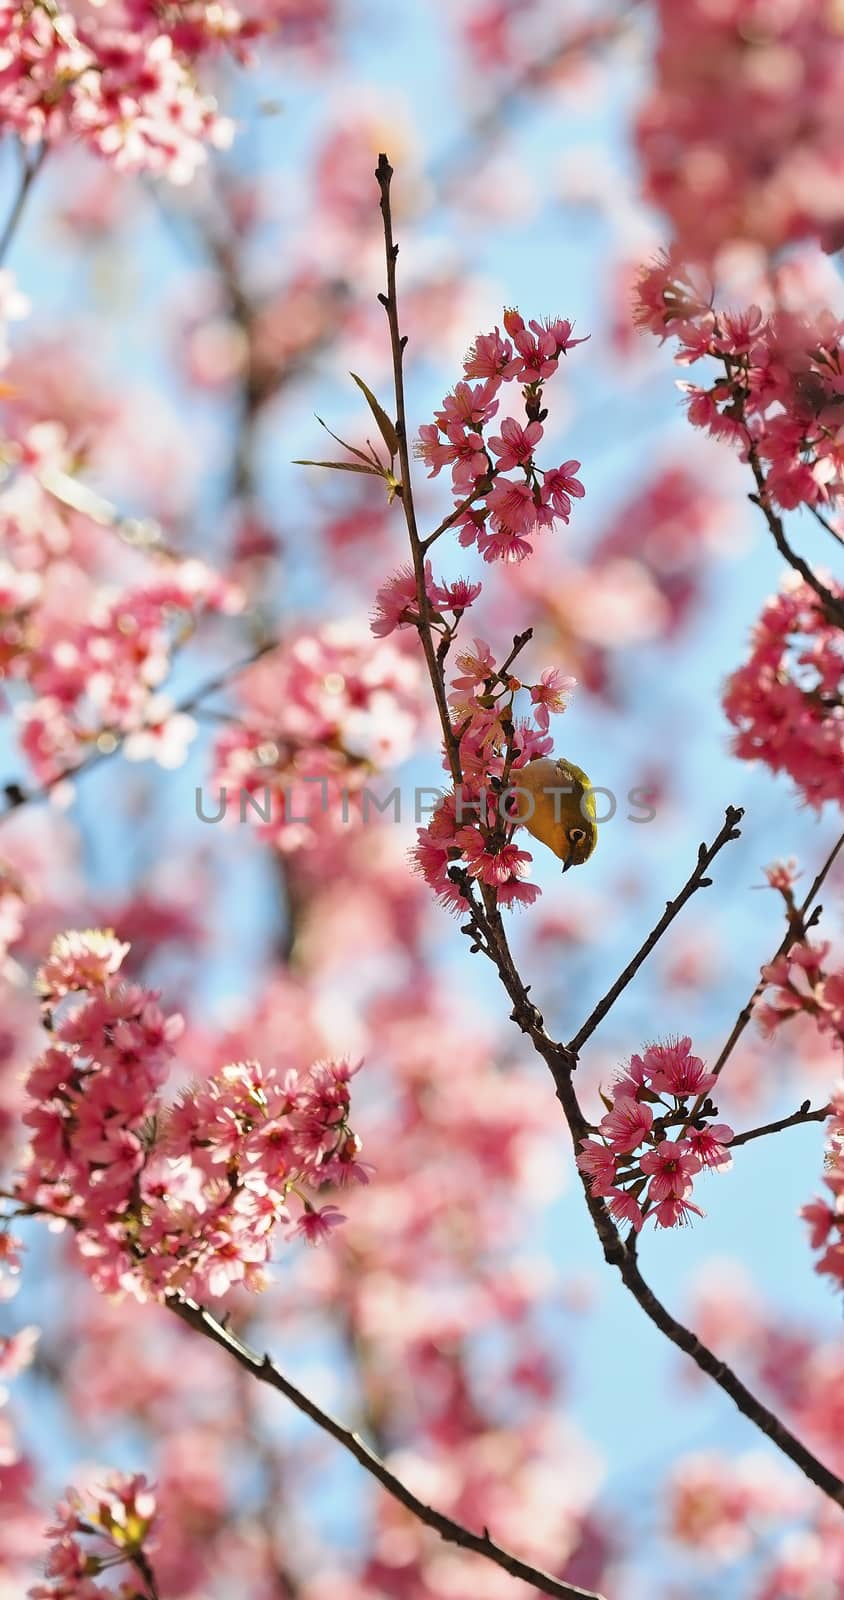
(708, 1145)
(671, 1167)
(142, 1180)
(675, 1212)
(599, 1161)
(627, 1125)
(624, 1207)
(672, 1069)
(515, 445)
(550, 695)
(317, 1223)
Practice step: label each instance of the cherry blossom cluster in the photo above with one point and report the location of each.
(453, 1136)
(397, 605)
(719, 1507)
(319, 718)
(798, 984)
(777, 391)
(506, 512)
(129, 95)
(655, 1138)
(88, 626)
(180, 1195)
(198, 28)
(94, 672)
(825, 1217)
(787, 700)
(471, 832)
(742, 138)
(194, 26)
(106, 1530)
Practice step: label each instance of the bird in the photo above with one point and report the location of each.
(554, 800)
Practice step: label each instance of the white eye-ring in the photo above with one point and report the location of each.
(577, 834)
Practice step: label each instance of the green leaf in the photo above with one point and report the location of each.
(352, 449)
(341, 466)
(386, 427)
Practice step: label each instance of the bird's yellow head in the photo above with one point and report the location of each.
(555, 802)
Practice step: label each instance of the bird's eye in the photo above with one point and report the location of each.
(577, 834)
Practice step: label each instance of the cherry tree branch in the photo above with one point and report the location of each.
(265, 1370)
(819, 517)
(487, 925)
(832, 604)
(805, 1113)
(486, 929)
(453, 516)
(384, 173)
(623, 1257)
(31, 164)
(696, 880)
(139, 533)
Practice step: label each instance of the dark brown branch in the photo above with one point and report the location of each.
(265, 1370)
(804, 1114)
(833, 605)
(697, 880)
(623, 1258)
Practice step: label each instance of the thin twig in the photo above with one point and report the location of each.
(833, 605)
(30, 169)
(519, 642)
(696, 880)
(384, 173)
(819, 517)
(140, 533)
(804, 1114)
(453, 516)
(623, 1258)
(264, 1369)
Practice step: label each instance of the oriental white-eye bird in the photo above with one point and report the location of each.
(553, 799)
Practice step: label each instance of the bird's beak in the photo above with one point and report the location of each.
(567, 863)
